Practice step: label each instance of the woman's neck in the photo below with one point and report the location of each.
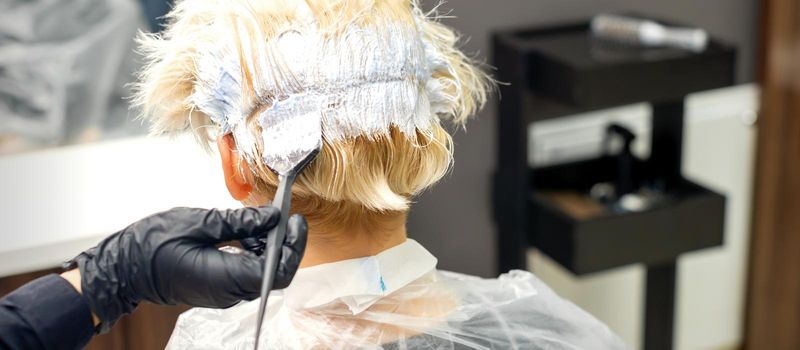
(326, 245)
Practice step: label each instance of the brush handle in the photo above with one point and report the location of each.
(272, 251)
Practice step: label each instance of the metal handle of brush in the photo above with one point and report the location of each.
(272, 251)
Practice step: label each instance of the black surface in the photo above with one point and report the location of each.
(570, 67)
(667, 141)
(568, 72)
(511, 177)
(659, 316)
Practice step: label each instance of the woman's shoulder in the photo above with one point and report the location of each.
(514, 310)
(521, 283)
(527, 312)
(512, 275)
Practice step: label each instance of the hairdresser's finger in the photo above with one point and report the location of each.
(245, 275)
(253, 244)
(294, 246)
(296, 233)
(226, 225)
(250, 276)
(256, 243)
(227, 278)
(239, 276)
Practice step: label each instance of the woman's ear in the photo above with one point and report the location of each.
(234, 168)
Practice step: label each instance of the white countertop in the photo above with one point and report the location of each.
(58, 202)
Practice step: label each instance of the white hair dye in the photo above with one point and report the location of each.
(333, 86)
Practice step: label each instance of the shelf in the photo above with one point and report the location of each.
(560, 71)
(691, 217)
(568, 72)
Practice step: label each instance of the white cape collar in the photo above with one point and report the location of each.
(359, 283)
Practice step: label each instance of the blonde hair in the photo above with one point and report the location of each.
(353, 179)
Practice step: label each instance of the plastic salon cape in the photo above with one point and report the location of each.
(398, 300)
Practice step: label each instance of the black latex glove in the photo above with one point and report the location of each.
(171, 258)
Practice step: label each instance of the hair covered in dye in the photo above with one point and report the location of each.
(380, 75)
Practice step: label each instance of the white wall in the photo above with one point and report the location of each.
(58, 202)
(719, 145)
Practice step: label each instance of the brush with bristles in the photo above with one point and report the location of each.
(291, 142)
(639, 32)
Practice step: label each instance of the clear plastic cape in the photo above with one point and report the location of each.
(440, 310)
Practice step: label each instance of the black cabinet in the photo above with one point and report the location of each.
(560, 71)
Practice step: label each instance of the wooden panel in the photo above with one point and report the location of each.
(148, 328)
(773, 310)
(8, 284)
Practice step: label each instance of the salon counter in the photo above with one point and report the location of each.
(58, 202)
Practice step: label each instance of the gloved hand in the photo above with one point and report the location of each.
(170, 258)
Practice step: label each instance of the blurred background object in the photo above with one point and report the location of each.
(154, 11)
(64, 66)
(633, 31)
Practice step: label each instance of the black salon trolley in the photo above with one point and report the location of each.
(560, 71)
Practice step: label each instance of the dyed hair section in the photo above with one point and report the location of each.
(220, 64)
